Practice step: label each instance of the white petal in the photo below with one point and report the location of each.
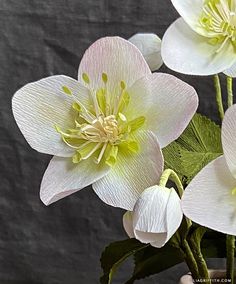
(167, 103)
(231, 72)
(39, 106)
(128, 223)
(174, 213)
(118, 58)
(157, 215)
(63, 178)
(150, 47)
(229, 138)
(190, 10)
(208, 199)
(132, 174)
(184, 51)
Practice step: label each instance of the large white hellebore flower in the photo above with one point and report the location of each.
(102, 128)
(150, 47)
(210, 198)
(156, 217)
(203, 41)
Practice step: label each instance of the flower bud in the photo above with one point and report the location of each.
(156, 217)
(150, 47)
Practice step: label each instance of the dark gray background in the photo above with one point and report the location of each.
(62, 243)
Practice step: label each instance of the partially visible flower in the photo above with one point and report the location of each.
(156, 217)
(203, 41)
(150, 46)
(210, 198)
(103, 128)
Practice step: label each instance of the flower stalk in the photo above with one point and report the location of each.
(189, 256)
(230, 248)
(170, 174)
(195, 244)
(190, 260)
(219, 96)
(230, 91)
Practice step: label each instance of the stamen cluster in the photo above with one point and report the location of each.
(102, 129)
(219, 21)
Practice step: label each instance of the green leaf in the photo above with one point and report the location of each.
(150, 261)
(199, 144)
(115, 254)
(173, 158)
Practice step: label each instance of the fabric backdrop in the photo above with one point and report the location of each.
(62, 243)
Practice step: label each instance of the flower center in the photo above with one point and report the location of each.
(101, 128)
(219, 21)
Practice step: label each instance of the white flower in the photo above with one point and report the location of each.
(156, 217)
(150, 46)
(102, 128)
(210, 198)
(203, 41)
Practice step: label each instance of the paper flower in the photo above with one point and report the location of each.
(150, 46)
(210, 198)
(103, 128)
(156, 217)
(203, 41)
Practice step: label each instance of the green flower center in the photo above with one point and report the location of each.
(219, 21)
(101, 129)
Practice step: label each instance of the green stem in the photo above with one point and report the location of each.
(230, 248)
(190, 260)
(195, 244)
(188, 255)
(170, 174)
(230, 91)
(219, 96)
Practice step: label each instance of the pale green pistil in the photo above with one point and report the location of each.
(102, 130)
(219, 21)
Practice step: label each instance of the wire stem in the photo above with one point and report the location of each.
(190, 260)
(170, 174)
(219, 96)
(195, 244)
(230, 91)
(230, 248)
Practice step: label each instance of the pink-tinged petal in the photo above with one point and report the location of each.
(116, 57)
(150, 46)
(229, 138)
(40, 106)
(167, 103)
(132, 174)
(208, 199)
(185, 51)
(128, 223)
(157, 215)
(63, 178)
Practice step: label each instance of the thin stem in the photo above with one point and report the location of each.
(170, 174)
(230, 91)
(230, 248)
(219, 96)
(190, 260)
(195, 244)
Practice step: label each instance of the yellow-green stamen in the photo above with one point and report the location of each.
(102, 130)
(218, 19)
(66, 90)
